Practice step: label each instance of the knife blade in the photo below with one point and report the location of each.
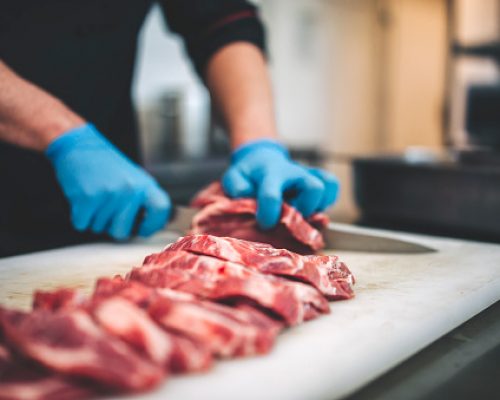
(181, 218)
(344, 239)
(335, 238)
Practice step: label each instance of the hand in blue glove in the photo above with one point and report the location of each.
(263, 169)
(106, 190)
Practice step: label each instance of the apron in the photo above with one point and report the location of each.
(83, 52)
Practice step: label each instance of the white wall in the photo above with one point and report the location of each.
(299, 46)
(162, 63)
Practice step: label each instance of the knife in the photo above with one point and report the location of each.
(181, 218)
(335, 238)
(343, 239)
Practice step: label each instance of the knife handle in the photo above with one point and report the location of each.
(140, 217)
(137, 222)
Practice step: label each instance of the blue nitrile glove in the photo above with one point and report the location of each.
(263, 169)
(106, 190)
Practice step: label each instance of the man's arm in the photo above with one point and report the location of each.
(106, 191)
(29, 116)
(238, 80)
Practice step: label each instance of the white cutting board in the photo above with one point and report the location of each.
(402, 304)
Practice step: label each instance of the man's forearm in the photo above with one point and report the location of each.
(29, 116)
(239, 82)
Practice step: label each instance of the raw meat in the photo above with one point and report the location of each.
(224, 330)
(222, 216)
(179, 354)
(124, 317)
(135, 292)
(215, 279)
(69, 342)
(227, 332)
(329, 275)
(208, 195)
(203, 296)
(125, 320)
(22, 379)
(189, 355)
(57, 299)
(28, 385)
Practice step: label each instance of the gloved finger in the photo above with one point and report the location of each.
(124, 218)
(82, 211)
(310, 194)
(332, 188)
(269, 201)
(158, 207)
(103, 216)
(236, 185)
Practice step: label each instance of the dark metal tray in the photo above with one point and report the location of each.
(443, 198)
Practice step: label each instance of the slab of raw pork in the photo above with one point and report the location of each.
(125, 317)
(126, 321)
(58, 299)
(222, 216)
(329, 275)
(215, 279)
(22, 379)
(70, 343)
(225, 331)
(187, 355)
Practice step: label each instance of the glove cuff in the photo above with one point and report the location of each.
(253, 145)
(86, 135)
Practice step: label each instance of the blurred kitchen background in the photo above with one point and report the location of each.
(399, 98)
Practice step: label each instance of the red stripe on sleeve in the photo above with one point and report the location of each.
(230, 19)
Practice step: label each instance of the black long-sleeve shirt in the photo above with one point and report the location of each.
(83, 52)
(205, 25)
(208, 25)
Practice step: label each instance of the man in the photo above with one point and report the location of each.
(68, 143)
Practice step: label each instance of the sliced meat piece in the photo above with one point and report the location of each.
(5, 354)
(44, 387)
(118, 316)
(221, 216)
(216, 279)
(236, 218)
(329, 275)
(22, 379)
(208, 195)
(24, 383)
(226, 331)
(69, 342)
(135, 292)
(189, 355)
(57, 299)
(166, 348)
(125, 320)
(119, 308)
